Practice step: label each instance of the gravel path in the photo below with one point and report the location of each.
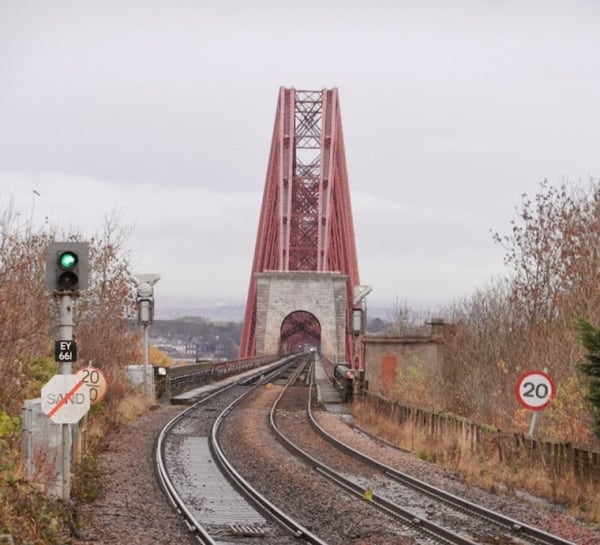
(133, 509)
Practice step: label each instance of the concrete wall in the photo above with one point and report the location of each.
(281, 293)
(396, 363)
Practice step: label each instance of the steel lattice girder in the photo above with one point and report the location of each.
(306, 217)
(300, 327)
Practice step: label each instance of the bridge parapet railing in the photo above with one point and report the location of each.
(186, 377)
(328, 366)
(513, 449)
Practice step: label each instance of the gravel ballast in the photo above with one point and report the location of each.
(134, 510)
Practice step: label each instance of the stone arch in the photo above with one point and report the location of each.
(323, 295)
(299, 331)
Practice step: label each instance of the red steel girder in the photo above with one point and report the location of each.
(300, 328)
(306, 217)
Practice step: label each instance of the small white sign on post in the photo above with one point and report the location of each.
(65, 399)
(95, 380)
(535, 390)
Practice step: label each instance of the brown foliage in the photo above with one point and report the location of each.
(527, 320)
(25, 311)
(104, 311)
(28, 328)
(554, 251)
(29, 315)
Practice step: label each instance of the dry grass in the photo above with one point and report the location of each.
(484, 469)
(132, 406)
(26, 513)
(31, 517)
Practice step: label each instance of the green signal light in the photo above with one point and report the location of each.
(67, 260)
(67, 267)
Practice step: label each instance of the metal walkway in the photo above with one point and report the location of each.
(327, 394)
(326, 391)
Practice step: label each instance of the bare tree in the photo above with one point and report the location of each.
(108, 306)
(405, 320)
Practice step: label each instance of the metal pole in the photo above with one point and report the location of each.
(65, 333)
(145, 298)
(65, 328)
(534, 417)
(145, 341)
(532, 424)
(147, 375)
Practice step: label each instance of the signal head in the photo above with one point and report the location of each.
(68, 279)
(67, 266)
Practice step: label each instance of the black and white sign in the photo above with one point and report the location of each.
(65, 351)
(535, 390)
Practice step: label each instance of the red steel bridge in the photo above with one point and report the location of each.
(304, 287)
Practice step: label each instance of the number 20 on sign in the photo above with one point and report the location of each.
(535, 390)
(95, 380)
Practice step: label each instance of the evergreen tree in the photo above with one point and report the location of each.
(590, 338)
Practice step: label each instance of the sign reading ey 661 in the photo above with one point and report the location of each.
(65, 351)
(535, 390)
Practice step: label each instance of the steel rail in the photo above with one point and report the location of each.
(519, 528)
(256, 497)
(176, 501)
(430, 528)
(165, 481)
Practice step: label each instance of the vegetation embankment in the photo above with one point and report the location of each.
(533, 319)
(28, 315)
(541, 316)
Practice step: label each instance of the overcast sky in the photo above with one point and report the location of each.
(163, 111)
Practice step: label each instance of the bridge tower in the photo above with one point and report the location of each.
(304, 286)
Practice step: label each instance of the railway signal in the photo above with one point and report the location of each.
(67, 266)
(145, 298)
(65, 399)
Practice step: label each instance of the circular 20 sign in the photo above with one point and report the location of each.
(535, 390)
(96, 382)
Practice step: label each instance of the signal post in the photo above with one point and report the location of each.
(145, 299)
(67, 272)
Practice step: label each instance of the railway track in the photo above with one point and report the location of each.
(188, 458)
(443, 516)
(369, 504)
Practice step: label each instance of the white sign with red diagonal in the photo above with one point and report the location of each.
(65, 399)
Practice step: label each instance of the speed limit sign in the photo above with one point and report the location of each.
(535, 390)
(96, 382)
